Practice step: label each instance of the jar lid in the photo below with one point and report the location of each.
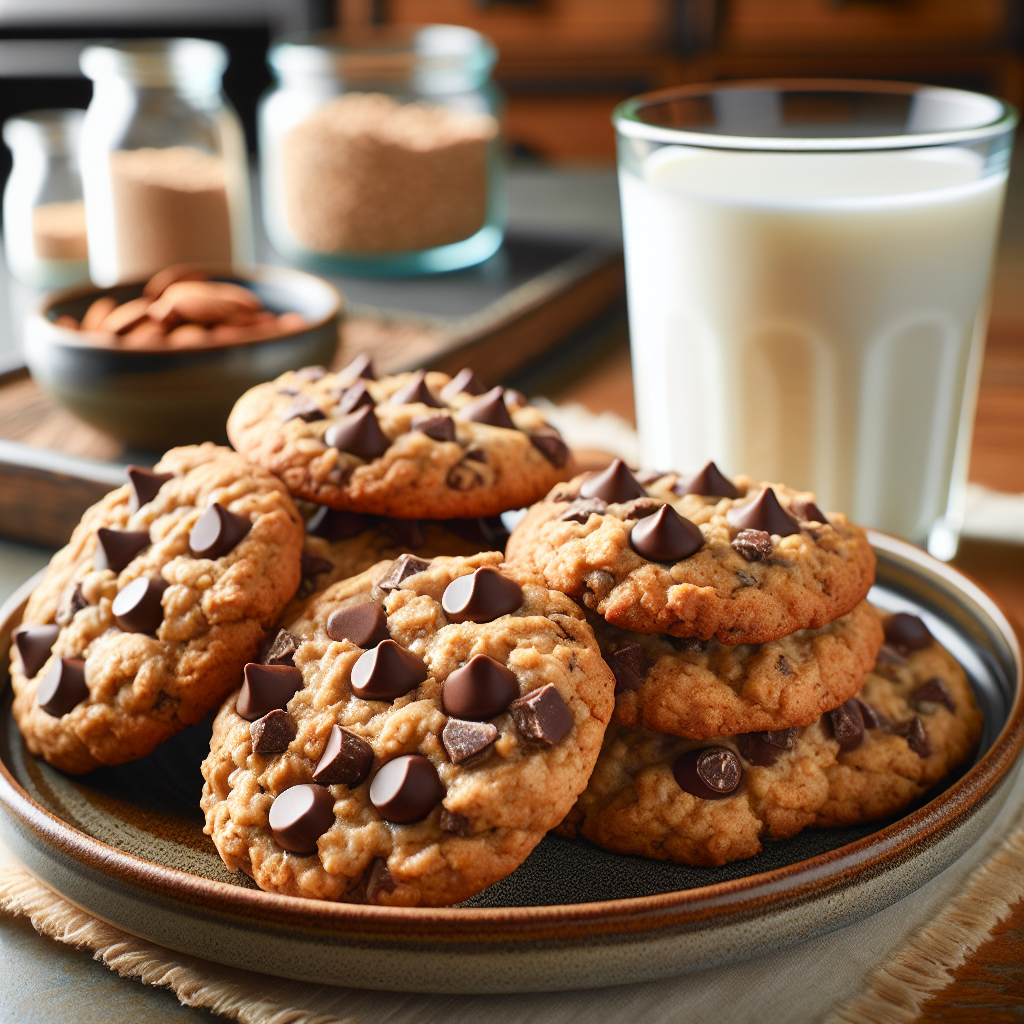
(157, 62)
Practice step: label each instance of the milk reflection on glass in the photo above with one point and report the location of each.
(815, 318)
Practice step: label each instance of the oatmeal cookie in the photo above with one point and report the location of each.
(702, 688)
(745, 569)
(416, 732)
(143, 622)
(410, 446)
(706, 803)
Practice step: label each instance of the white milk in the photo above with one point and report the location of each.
(816, 319)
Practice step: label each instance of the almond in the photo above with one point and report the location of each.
(100, 309)
(203, 302)
(163, 279)
(125, 316)
(145, 334)
(188, 336)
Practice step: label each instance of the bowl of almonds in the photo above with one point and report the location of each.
(161, 362)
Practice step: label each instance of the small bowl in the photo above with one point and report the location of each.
(158, 399)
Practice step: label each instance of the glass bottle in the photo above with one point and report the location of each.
(380, 150)
(163, 160)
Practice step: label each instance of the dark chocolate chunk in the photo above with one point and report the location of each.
(216, 532)
(407, 533)
(406, 789)
(889, 658)
(364, 625)
(361, 366)
(305, 409)
(549, 443)
(144, 484)
(34, 644)
(380, 881)
(708, 772)
(313, 565)
(137, 607)
(116, 548)
(452, 821)
(267, 688)
(439, 426)
(387, 672)
(359, 434)
(915, 735)
(907, 633)
(414, 391)
(489, 408)
(765, 748)
(481, 689)
(629, 666)
(542, 716)
(481, 596)
(346, 760)
(331, 524)
(466, 741)
(934, 691)
(401, 569)
(300, 816)
(63, 687)
(580, 510)
(640, 508)
(666, 536)
(615, 485)
(782, 666)
(489, 532)
(72, 601)
(753, 545)
(847, 724)
(807, 512)
(272, 733)
(710, 482)
(464, 382)
(311, 373)
(282, 649)
(873, 718)
(763, 513)
(355, 397)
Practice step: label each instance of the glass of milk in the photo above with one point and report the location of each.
(808, 265)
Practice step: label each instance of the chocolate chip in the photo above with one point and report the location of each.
(549, 443)
(305, 409)
(640, 508)
(332, 524)
(687, 643)
(782, 666)
(272, 733)
(364, 625)
(346, 760)
(415, 390)
(282, 648)
(438, 426)
(144, 484)
(116, 548)
(354, 398)
(361, 366)
(463, 476)
(763, 513)
(915, 735)
(216, 532)
(873, 718)
(137, 607)
(34, 644)
(542, 716)
(63, 687)
(300, 816)
(267, 688)
(666, 536)
(311, 373)
(934, 691)
(753, 545)
(358, 434)
(615, 485)
(580, 510)
(907, 633)
(889, 658)
(807, 512)
(847, 724)
(464, 382)
(710, 482)
(466, 741)
(481, 596)
(489, 532)
(481, 689)
(708, 772)
(72, 601)
(380, 881)
(451, 821)
(387, 672)
(406, 789)
(629, 666)
(313, 565)
(489, 408)
(401, 569)
(765, 748)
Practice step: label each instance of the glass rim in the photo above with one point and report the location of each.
(627, 122)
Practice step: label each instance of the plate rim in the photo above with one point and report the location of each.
(719, 903)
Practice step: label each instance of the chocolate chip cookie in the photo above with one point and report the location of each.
(702, 688)
(144, 621)
(413, 734)
(412, 446)
(705, 557)
(706, 803)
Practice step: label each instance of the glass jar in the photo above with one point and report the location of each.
(163, 160)
(380, 150)
(44, 215)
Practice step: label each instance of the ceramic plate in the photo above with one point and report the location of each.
(127, 844)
